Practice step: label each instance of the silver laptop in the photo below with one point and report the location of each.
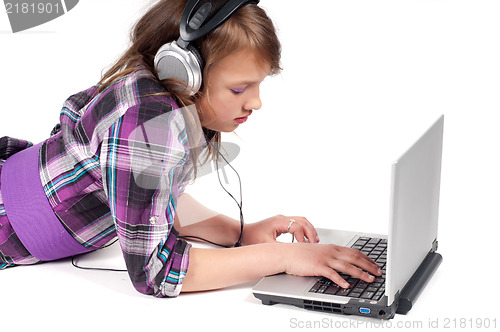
(407, 254)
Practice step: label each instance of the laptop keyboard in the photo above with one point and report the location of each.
(374, 248)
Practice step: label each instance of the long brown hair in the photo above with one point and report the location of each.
(249, 27)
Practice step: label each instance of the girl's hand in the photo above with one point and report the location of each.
(325, 260)
(269, 229)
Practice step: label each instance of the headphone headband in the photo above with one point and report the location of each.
(190, 32)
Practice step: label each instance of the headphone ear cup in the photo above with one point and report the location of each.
(201, 64)
(198, 56)
(185, 65)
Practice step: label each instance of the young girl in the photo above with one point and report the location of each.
(118, 161)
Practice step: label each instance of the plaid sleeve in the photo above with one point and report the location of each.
(144, 160)
(10, 146)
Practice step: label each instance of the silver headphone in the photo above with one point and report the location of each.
(179, 59)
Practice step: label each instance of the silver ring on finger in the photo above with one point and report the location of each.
(292, 221)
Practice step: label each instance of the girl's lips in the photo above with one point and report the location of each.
(241, 120)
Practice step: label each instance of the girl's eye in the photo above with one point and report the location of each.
(237, 91)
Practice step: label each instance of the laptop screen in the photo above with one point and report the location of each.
(415, 207)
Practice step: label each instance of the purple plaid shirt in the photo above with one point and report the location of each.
(115, 166)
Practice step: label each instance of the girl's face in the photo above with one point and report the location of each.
(232, 91)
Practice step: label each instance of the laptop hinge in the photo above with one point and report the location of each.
(434, 246)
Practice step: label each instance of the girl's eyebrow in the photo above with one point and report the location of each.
(246, 82)
(243, 82)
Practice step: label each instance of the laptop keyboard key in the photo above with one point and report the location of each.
(343, 292)
(367, 295)
(377, 295)
(332, 290)
(322, 289)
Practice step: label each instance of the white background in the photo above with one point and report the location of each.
(361, 81)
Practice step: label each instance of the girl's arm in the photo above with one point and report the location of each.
(194, 219)
(218, 268)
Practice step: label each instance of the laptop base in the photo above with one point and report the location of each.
(368, 308)
(358, 307)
